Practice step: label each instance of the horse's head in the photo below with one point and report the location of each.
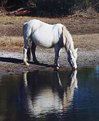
(72, 58)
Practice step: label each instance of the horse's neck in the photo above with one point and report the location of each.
(69, 41)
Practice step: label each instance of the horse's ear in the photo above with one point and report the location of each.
(76, 50)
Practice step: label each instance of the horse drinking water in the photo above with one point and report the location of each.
(38, 33)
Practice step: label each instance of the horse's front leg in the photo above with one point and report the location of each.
(25, 57)
(56, 49)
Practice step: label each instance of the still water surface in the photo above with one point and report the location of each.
(50, 96)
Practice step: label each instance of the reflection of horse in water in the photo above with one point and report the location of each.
(43, 96)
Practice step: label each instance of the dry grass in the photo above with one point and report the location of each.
(12, 26)
(6, 20)
(87, 41)
(11, 41)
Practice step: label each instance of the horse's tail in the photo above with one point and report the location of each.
(26, 34)
(24, 30)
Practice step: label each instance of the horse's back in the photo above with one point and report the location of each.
(47, 35)
(36, 24)
(42, 33)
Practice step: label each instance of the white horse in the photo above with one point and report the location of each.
(36, 32)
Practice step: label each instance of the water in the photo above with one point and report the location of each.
(50, 96)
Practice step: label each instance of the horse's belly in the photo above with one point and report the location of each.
(44, 39)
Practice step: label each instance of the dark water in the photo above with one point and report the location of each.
(50, 96)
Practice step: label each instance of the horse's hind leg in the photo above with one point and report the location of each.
(25, 56)
(26, 52)
(26, 36)
(29, 54)
(33, 49)
(29, 50)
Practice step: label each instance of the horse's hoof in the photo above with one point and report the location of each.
(27, 64)
(56, 67)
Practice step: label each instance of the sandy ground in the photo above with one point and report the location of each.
(85, 36)
(11, 62)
